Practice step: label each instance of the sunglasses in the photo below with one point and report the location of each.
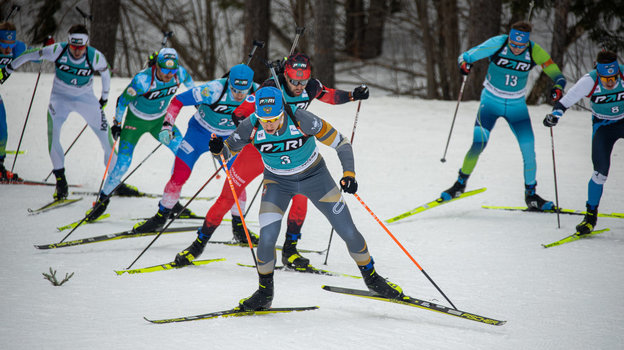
(237, 91)
(168, 71)
(516, 46)
(298, 82)
(77, 47)
(608, 79)
(270, 120)
(6, 46)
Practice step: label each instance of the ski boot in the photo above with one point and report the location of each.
(457, 189)
(124, 190)
(378, 284)
(239, 231)
(193, 251)
(290, 255)
(535, 202)
(62, 187)
(262, 298)
(155, 223)
(185, 213)
(589, 221)
(99, 207)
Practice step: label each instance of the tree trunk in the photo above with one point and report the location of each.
(450, 32)
(484, 22)
(373, 35)
(354, 27)
(324, 52)
(541, 90)
(103, 35)
(211, 62)
(257, 19)
(423, 18)
(300, 15)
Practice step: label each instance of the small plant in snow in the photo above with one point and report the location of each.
(52, 277)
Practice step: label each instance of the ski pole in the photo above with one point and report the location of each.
(98, 204)
(402, 248)
(14, 9)
(331, 234)
(256, 44)
(240, 211)
(253, 199)
(461, 92)
(298, 33)
(84, 15)
(19, 144)
(552, 143)
(68, 148)
(174, 218)
(110, 157)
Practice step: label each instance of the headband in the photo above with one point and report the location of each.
(78, 39)
(519, 36)
(8, 35)
(607, 69)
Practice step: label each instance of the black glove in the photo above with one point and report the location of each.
(236, 119)
(553, 118)
(4, 75)
(556, 93)
(360, 93)
(116, 129)
(464, 67)
(151, 60)
(216, 144)
(348, 184)
(103, 102)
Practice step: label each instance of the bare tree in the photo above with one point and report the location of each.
(423, 17)
(484, 22)
(324, 52)
(257, 20)
(106, 16)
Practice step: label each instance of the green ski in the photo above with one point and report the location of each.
(562, 211)
(167, 266)
(433, 204)
(573, 237)
(75, 223)
(235, 312)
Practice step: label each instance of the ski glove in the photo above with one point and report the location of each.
(166, 134)
(348, 184)
(360, 93)
(103, 102)
(556, 93)
(48, 41)
(553, 118)
(215, 144)
(464, 67)
(4, 75)
(116, 129)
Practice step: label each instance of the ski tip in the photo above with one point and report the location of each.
(119, 273)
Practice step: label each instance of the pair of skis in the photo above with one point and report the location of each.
(406, 300)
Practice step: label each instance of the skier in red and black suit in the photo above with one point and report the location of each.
(299, 90)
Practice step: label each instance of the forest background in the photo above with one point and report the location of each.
(398, 47)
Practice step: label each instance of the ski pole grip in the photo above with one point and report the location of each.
(258, 43)
(300, 30)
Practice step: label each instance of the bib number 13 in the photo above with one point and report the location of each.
(511, 80)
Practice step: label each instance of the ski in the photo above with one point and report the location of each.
(433, 204)
(114, 236)
(562, 211)
(81, 222)
(410, 301)
(167, 266)
(143, 194)
(279, 247)
(33, 183)
(309, 269)
(13, 152)
(53, 205)
(235, 312)
(573, 237)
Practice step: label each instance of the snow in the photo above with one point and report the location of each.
(487, 262)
